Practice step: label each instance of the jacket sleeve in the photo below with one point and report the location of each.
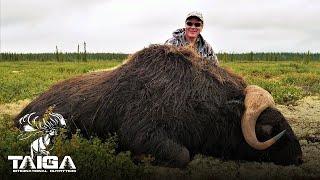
(172, 41)
(211, 56)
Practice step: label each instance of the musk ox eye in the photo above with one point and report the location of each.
(267, 129)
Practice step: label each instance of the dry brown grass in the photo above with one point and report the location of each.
(14, 108)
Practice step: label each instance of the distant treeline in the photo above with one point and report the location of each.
(120, 56)
(61, 56)
(269, 56)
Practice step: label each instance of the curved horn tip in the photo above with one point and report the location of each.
(277, 137)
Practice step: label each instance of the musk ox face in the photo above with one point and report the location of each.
(266, 130)
(170, 103)
(287, 149)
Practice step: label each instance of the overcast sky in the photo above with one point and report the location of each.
(129, 25)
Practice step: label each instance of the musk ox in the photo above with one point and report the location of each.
(170, 103)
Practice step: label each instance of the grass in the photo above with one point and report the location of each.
(27, 79)
(94, 158)
(287, 81)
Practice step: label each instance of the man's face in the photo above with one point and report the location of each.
(193, 27)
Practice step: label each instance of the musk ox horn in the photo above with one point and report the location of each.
(256, 101)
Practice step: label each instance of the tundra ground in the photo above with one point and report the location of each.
(295, 87)
(304, 118)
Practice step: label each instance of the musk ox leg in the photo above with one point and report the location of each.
(169, 153)
(166, 151)
(175, 154)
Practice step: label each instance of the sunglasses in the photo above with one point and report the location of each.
(197, 24)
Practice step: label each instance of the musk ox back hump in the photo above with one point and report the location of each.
(158, 87)
(166, 87)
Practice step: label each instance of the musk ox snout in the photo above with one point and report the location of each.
(287, 149)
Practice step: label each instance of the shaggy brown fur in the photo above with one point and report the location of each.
(164, 101)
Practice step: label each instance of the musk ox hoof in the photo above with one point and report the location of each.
(182, 159)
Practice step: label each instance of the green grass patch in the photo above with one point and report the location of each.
(27, 79)
(97, 159)
(93, 158)
(287, 81)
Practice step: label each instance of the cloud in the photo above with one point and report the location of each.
(33, 11)
(265, 25)
(127, 26)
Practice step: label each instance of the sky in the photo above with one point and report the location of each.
(127, 26)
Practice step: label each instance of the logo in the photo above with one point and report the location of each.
(43, 164)
(40, 160)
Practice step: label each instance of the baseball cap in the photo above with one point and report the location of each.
(195, 14)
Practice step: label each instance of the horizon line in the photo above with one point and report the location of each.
(219, 52)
